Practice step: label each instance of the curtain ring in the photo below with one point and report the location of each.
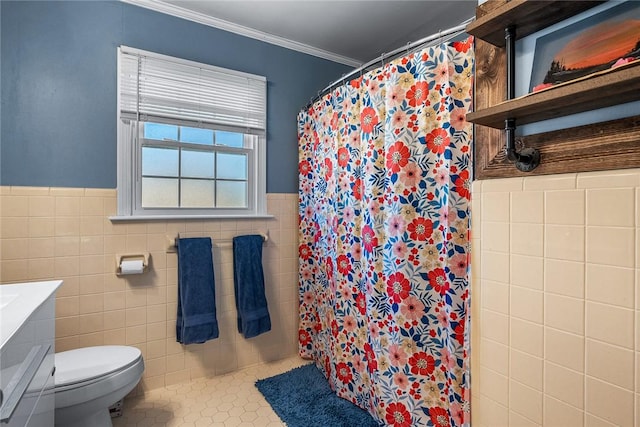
(408, 47)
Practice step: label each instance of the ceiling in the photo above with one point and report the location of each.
(354, 31)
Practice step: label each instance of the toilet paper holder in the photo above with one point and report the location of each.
(144, 257)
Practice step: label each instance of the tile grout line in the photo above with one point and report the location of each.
(509, 312)
(635, 318)
(584, 310)
(544, 306)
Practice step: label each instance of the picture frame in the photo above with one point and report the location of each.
(605, 145)
(595, 44)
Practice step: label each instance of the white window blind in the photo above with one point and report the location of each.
(156, 87)
(191, 139)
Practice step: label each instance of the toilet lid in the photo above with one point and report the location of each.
(87, 363)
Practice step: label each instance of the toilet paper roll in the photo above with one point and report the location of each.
(131, 267)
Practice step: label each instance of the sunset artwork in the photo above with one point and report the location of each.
(605, 43)
(588, 47)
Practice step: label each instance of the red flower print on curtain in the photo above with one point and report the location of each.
(384, 238)
(418, 94)
(397, 157)
(438, 141)
(398, 416)
(369, 120)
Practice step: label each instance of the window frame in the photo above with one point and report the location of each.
(129, 158)
(253, 140)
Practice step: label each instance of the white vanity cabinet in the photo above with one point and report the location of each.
(27, 347)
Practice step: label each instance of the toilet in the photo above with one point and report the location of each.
(89, 380)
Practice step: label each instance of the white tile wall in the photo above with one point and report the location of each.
(556, 326)
(65, 233)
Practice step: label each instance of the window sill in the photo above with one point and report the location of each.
(118, 218)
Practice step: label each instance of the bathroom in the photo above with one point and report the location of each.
(555, 305)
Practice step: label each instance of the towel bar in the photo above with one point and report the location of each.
(171, 241)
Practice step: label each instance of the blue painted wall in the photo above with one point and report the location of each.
(58, 79)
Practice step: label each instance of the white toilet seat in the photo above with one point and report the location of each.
(84, 391)
(89, 380)
(86, 364)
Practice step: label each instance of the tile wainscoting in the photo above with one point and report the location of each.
(65, 233)
(556, 300)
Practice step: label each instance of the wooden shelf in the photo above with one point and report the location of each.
(527, 16)
(599, 146)
(613, 87)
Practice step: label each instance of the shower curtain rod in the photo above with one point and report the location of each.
(453, 31)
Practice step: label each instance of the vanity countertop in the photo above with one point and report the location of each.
(18, 301)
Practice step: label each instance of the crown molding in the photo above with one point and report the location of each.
(201, 18)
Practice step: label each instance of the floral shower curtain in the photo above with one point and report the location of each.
(384, 237)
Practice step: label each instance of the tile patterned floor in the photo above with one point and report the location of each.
(230, 400)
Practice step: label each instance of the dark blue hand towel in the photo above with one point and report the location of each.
(196, 321)
(248, 281)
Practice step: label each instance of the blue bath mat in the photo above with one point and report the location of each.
(302, 398)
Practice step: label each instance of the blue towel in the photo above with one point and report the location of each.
(248, 284)
(196, 321)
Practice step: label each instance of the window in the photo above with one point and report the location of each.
(191, 139)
